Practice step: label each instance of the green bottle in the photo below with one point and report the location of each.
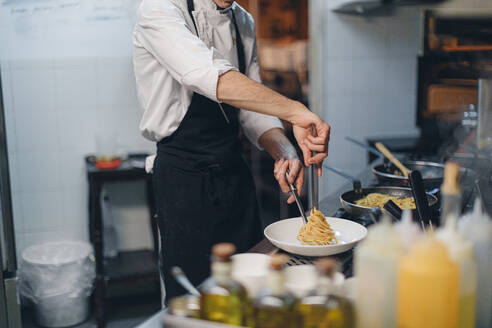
(275, 307)
(222, 299)
(321, 309)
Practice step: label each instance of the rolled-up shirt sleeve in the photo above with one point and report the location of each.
(162, 29)
(255, 124)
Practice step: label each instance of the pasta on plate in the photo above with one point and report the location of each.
(317, 231)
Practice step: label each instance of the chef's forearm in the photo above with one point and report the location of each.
(277, 144)
(240, 91)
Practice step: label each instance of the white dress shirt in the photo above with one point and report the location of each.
(171, 62)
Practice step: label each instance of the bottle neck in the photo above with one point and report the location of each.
(450, 206)
(276, 282)
(324, 285)
(221, 272)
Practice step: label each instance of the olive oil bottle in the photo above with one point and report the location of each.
(275, 307)
(223, 300)
(321, 309)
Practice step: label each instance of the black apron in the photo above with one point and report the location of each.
(204, 190)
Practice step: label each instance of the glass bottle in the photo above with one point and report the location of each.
(222, 299)
(320, 308)
(274, 307)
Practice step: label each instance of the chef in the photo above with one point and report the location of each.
(198, 80)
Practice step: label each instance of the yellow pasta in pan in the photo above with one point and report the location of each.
(378, 200)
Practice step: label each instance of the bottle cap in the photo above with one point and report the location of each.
(451, 185)
(327, 266)
(223, 251)
(278, 261)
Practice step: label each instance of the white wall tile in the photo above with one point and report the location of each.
(42, 210)
(116, 86)
(77, 128)
(72, 166)
(338, 77)
(75, 208)
(76, 84)
(368, 75)
(33, 85)
(39, 171)
(401, 75)
(36, 130)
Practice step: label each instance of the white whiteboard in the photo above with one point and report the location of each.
(66, 28)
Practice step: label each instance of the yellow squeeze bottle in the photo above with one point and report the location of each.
(428, 290)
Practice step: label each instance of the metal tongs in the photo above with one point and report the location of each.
(293, 191)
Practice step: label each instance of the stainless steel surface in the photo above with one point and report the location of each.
(365, 146)
(293, 191)
(13, 302)
(484, 131)
(9, 301)
(181, 278)
(313, 187)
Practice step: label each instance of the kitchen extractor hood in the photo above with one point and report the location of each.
(362, 7)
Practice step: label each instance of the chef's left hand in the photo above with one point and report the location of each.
(296, 175)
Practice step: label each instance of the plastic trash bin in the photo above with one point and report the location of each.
(58, 279)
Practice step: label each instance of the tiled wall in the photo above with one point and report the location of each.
(55, 108)
(369, 83)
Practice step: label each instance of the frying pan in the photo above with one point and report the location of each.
(432, 172)
(349, 198)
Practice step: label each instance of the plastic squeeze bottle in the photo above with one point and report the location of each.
(428, 290)
(460, 250)
(377, 261)
(409, 231)
(477, 228)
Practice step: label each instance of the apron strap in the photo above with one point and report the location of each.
(191, 8)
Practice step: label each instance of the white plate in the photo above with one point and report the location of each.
(283, 234)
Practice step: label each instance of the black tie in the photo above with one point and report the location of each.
(240, 47)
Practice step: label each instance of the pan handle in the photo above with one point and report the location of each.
(367, 147)
(355, 182)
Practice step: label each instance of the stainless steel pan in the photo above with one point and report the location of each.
(349, 198)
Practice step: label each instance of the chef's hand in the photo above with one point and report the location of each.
(308, 143)
(296, 175)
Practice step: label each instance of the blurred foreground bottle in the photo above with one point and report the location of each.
(428, 287)
(459, 250)
(274, 307)
(477, 228)
(377, 261)
(321, 309)
(223, 299)
(409, 231)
